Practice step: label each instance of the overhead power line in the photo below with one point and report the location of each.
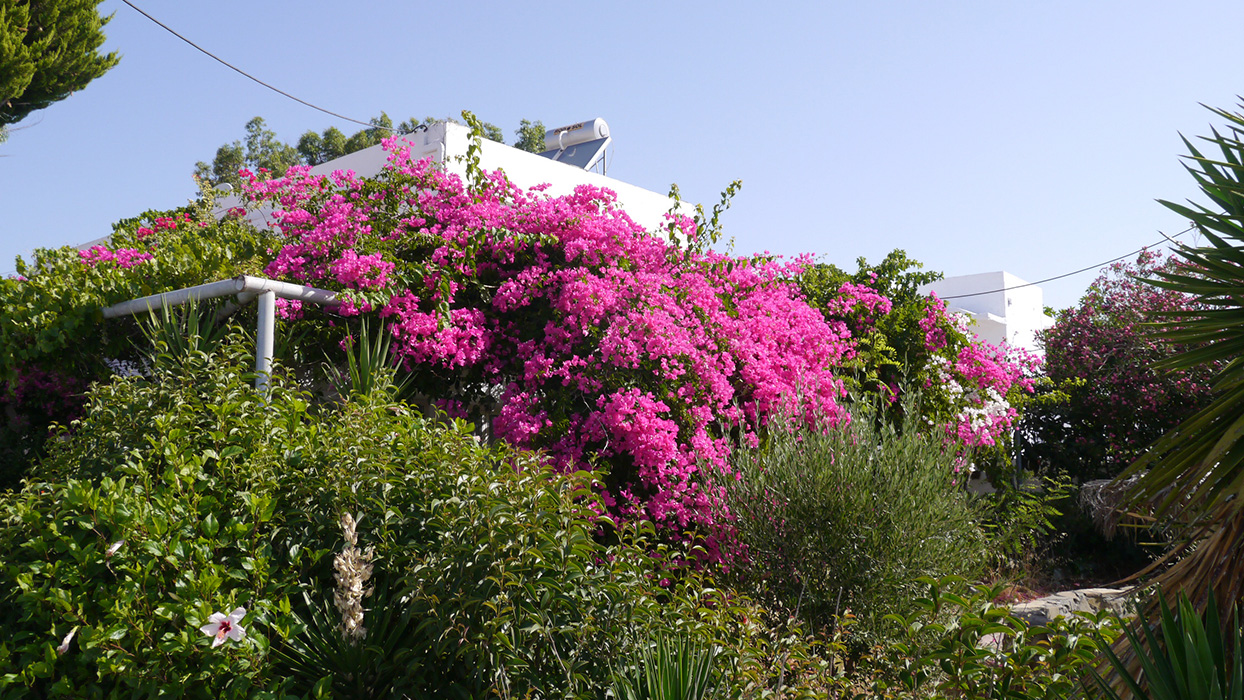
(279, 91)
(1075, 272)
(223, 62)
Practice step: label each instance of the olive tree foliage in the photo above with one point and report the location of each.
(48, 51)
(262, 150)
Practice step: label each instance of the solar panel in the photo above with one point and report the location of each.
(581, 155)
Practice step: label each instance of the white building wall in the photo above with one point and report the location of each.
(1001, 307)
(444, 142)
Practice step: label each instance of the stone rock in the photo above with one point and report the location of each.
(1090, 600)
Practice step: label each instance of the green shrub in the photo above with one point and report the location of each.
(54, 340)
(517, 597)
(186, 493)
(144, 520)
(849, 517)
(957, 643)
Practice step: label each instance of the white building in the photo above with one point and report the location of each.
(1002, 307)
(446, 143)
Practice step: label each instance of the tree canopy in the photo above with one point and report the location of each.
(1103, 403)
(48, 51)
(261, 149)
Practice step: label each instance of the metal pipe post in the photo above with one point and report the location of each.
(264, 339)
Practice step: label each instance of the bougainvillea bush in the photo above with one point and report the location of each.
(569, 328)
(905, 338)
(564, 324)
(554, 323)
(53, 339)
(1104, 403)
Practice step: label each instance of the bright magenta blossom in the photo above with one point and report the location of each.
(977, 376)
(580, 332)
(123, 257)
(562, 325)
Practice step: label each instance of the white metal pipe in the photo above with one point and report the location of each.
(264, 339)
(244, 286)
(177, 297)
(285, 290)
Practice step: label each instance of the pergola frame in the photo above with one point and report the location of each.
(245, 289)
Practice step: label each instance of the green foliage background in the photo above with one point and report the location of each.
(212, 496)
(262, 149)
(53, 323)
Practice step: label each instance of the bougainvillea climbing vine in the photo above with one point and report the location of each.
(1104, 402)
(564, 324)
(558, 323)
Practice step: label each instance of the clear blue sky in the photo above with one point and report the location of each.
(1030, 137)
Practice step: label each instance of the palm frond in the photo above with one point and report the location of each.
(1192, 479)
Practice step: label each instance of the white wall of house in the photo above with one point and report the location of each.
(1002, 307)
(445, 142)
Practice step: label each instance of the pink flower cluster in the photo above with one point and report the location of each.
(122, 257)
(163, 223)
(48, 394)
(1123, 404)
(605, 346)
(860, 301)
(978, 377)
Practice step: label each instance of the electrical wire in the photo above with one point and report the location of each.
(279, 91)
(1076, 272)
(225, 63)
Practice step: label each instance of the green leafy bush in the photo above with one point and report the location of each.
(1021, 521)
(54, 340)
(517, 596)
(848, 517)
(185, 493)
(147, 518)
(958, 643)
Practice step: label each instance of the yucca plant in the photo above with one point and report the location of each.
(369, 366)
(1190, 658)
(342, 648)
(667, 670)
(178, 332)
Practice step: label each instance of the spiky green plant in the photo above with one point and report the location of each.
(176, 333)
(667, 670)
(1193, 477)
(323, 662)
(1190, 659)
(369, 366)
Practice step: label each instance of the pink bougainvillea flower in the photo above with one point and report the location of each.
(222, 627)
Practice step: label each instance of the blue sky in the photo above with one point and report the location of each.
(978, 136)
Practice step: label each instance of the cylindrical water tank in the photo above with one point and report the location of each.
(572, 134)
